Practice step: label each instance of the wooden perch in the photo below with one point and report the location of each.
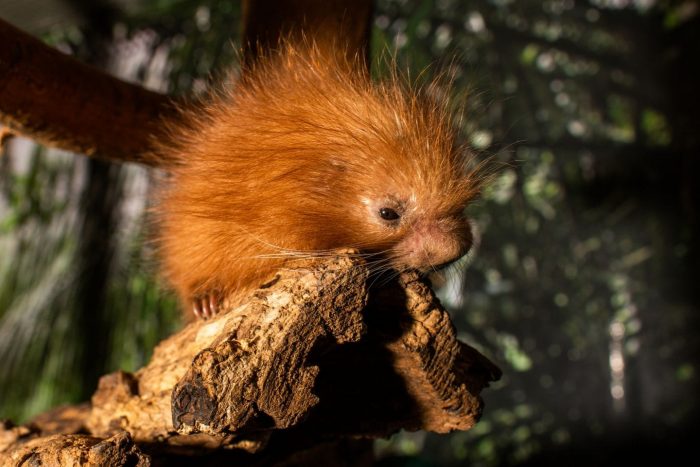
(311, 357)
(75, 449)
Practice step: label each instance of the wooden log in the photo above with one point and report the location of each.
(71, 450)
(311, 358)
(409, 371)
(246, 370)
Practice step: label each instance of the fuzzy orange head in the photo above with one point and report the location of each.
(302, 157)
(391, 177)
(413, 215)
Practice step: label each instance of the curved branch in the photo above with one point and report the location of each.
(59, 101)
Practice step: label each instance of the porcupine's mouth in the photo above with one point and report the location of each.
(443, 266)
(432, 269)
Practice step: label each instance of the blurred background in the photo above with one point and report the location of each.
(582, 288)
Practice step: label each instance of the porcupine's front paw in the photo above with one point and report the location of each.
(206, 306)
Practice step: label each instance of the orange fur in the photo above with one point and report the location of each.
(297, 159)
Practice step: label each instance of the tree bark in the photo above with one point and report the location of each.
(312, 357)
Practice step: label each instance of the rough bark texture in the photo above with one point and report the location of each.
(70, 449)
(244, 371)
(59, 101)
(310, 361)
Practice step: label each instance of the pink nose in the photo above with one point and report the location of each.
(432, 245)
(437, 252)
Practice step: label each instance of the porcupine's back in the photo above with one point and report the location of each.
(302, 155)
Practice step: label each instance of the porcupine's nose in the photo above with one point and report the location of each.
(434, 244)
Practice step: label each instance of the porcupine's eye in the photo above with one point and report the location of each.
(388, 214)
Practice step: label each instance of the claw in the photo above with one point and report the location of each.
(196, 309)
(206, 306)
